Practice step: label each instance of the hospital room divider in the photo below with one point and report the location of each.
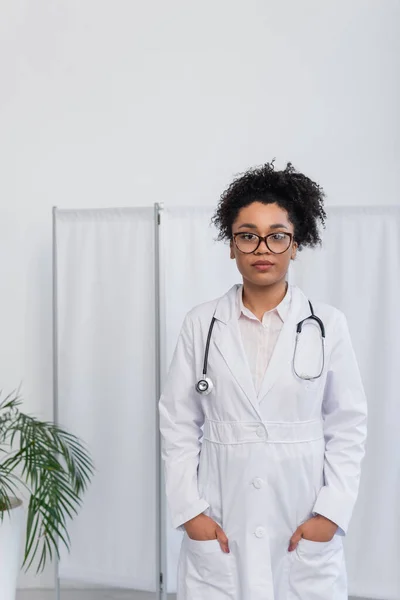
(123, 279)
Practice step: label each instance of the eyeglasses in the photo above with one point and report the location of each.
(277, 243)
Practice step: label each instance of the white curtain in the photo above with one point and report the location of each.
(106, 346)
(358, 271)
(106, 387)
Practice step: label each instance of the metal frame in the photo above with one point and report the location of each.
(159, 335)
(55, 377)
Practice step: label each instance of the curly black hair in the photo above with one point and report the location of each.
(302, 198)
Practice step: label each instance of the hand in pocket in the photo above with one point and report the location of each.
(203, 528)
(316, 529)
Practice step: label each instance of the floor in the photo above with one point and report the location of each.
(98, 594)
(94, 594)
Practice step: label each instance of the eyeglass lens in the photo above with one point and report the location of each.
(277, 242)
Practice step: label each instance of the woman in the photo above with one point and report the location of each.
(262, 472)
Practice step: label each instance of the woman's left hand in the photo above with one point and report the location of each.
(316, 529)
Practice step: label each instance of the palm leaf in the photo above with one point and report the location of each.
(56, 468)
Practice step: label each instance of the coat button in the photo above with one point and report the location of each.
(260, 431)
(257, 482)
(259, 532)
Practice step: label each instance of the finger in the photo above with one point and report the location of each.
(223, 540)
(294, 540)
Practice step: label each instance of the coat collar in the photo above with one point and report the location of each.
(228, 340)
(282, 309)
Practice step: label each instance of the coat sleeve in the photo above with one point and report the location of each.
(344, 413)
(181, 419)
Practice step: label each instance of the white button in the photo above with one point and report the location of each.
(257, 482)
(260, 431)
(259, 532)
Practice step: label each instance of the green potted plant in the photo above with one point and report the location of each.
(55, 468)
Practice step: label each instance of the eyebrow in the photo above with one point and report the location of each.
(274, 226)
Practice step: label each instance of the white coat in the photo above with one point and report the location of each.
(262, 465)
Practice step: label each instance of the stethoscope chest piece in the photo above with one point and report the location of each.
(204, 386)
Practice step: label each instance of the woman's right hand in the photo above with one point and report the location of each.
(202, 528)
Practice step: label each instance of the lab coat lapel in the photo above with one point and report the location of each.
(283, 352)
(228, 340)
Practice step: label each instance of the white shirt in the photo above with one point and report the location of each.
(259, 337)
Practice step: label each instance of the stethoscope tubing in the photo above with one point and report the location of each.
(205, 385)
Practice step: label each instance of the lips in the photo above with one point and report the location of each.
(263, 262)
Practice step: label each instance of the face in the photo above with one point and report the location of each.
(263, 219)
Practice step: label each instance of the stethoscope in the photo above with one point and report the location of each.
(205, 385)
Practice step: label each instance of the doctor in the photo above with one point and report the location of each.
(262, 468)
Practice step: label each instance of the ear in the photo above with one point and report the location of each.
(294, 250)
(232, 253)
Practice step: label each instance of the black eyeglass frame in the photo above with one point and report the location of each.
(261, 238)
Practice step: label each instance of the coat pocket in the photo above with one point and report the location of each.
(305, 546)
(203, 546)
(205, 571)
(318, 571)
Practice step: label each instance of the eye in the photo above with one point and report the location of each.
(249, 237)
(279, 237)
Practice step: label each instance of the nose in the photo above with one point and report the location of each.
(260, 249)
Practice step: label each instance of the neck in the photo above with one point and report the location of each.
(260, 299)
